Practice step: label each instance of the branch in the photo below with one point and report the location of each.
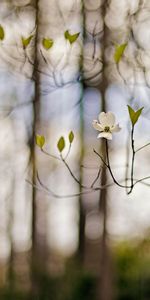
(47, 190)
(68, 152)
(142, 147)
(71, 173)
(97, 177)
(133, 158)
(100, 157)
(110, 170)
(142, 179)
(50, 155)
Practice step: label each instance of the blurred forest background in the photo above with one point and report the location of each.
(57, 72)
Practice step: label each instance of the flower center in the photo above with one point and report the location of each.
(107, 129)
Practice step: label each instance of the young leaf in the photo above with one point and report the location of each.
(2, 33)
(131, 113)
(26, 42)
(134, 115)
(61, 144)
(71, 137)
(47, 43)
(119, 52)
(40, 140)
(71, 37)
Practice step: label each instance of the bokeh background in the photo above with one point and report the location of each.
(61, 243)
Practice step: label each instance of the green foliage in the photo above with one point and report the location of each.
(26, 42)
(61, 144)
(71, 137)
(132, 269)
(119, 50)
(47, 43)
(73, 285)
(84, 287)
(131, 278)
(71, 37)
(40, 140)
(2, 33)
(134, 115)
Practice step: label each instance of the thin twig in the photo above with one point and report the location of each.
(142, 147)
(50, 155)
(97, 177)
(107, 164)
(127, 165)
(47, 190)
(71, 173)
(133, 158)
(142, 179)
(102, 159)
(61, 158)
(110, 170)
(68, 152)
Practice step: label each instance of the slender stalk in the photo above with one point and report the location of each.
(97, 177)
(101, 157)
(133, 159)
(72, 174)
(68, 152)
(109, 167)
(110, 170)
(127, 164)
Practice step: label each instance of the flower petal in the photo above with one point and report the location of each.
(96, 125)
(106, 135)
(110, 118)
(115, 128)
(107, 119)
(103, 119)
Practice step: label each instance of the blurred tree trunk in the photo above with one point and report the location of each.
(105, 290)
(106, 280)
(39, 245)
(10, 225)
(81, 247)
(81, 236)
(97, 33)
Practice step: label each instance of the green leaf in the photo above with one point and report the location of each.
(26, 42)
(2, 33)
(61, 144)
(119, 52)
(40, 140)
(71, 137)
(47, 43)
(71, 37)
(134, 115)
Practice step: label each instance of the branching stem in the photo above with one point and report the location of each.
(110, 170)
(133, 159)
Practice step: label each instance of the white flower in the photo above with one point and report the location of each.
(106, 125)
